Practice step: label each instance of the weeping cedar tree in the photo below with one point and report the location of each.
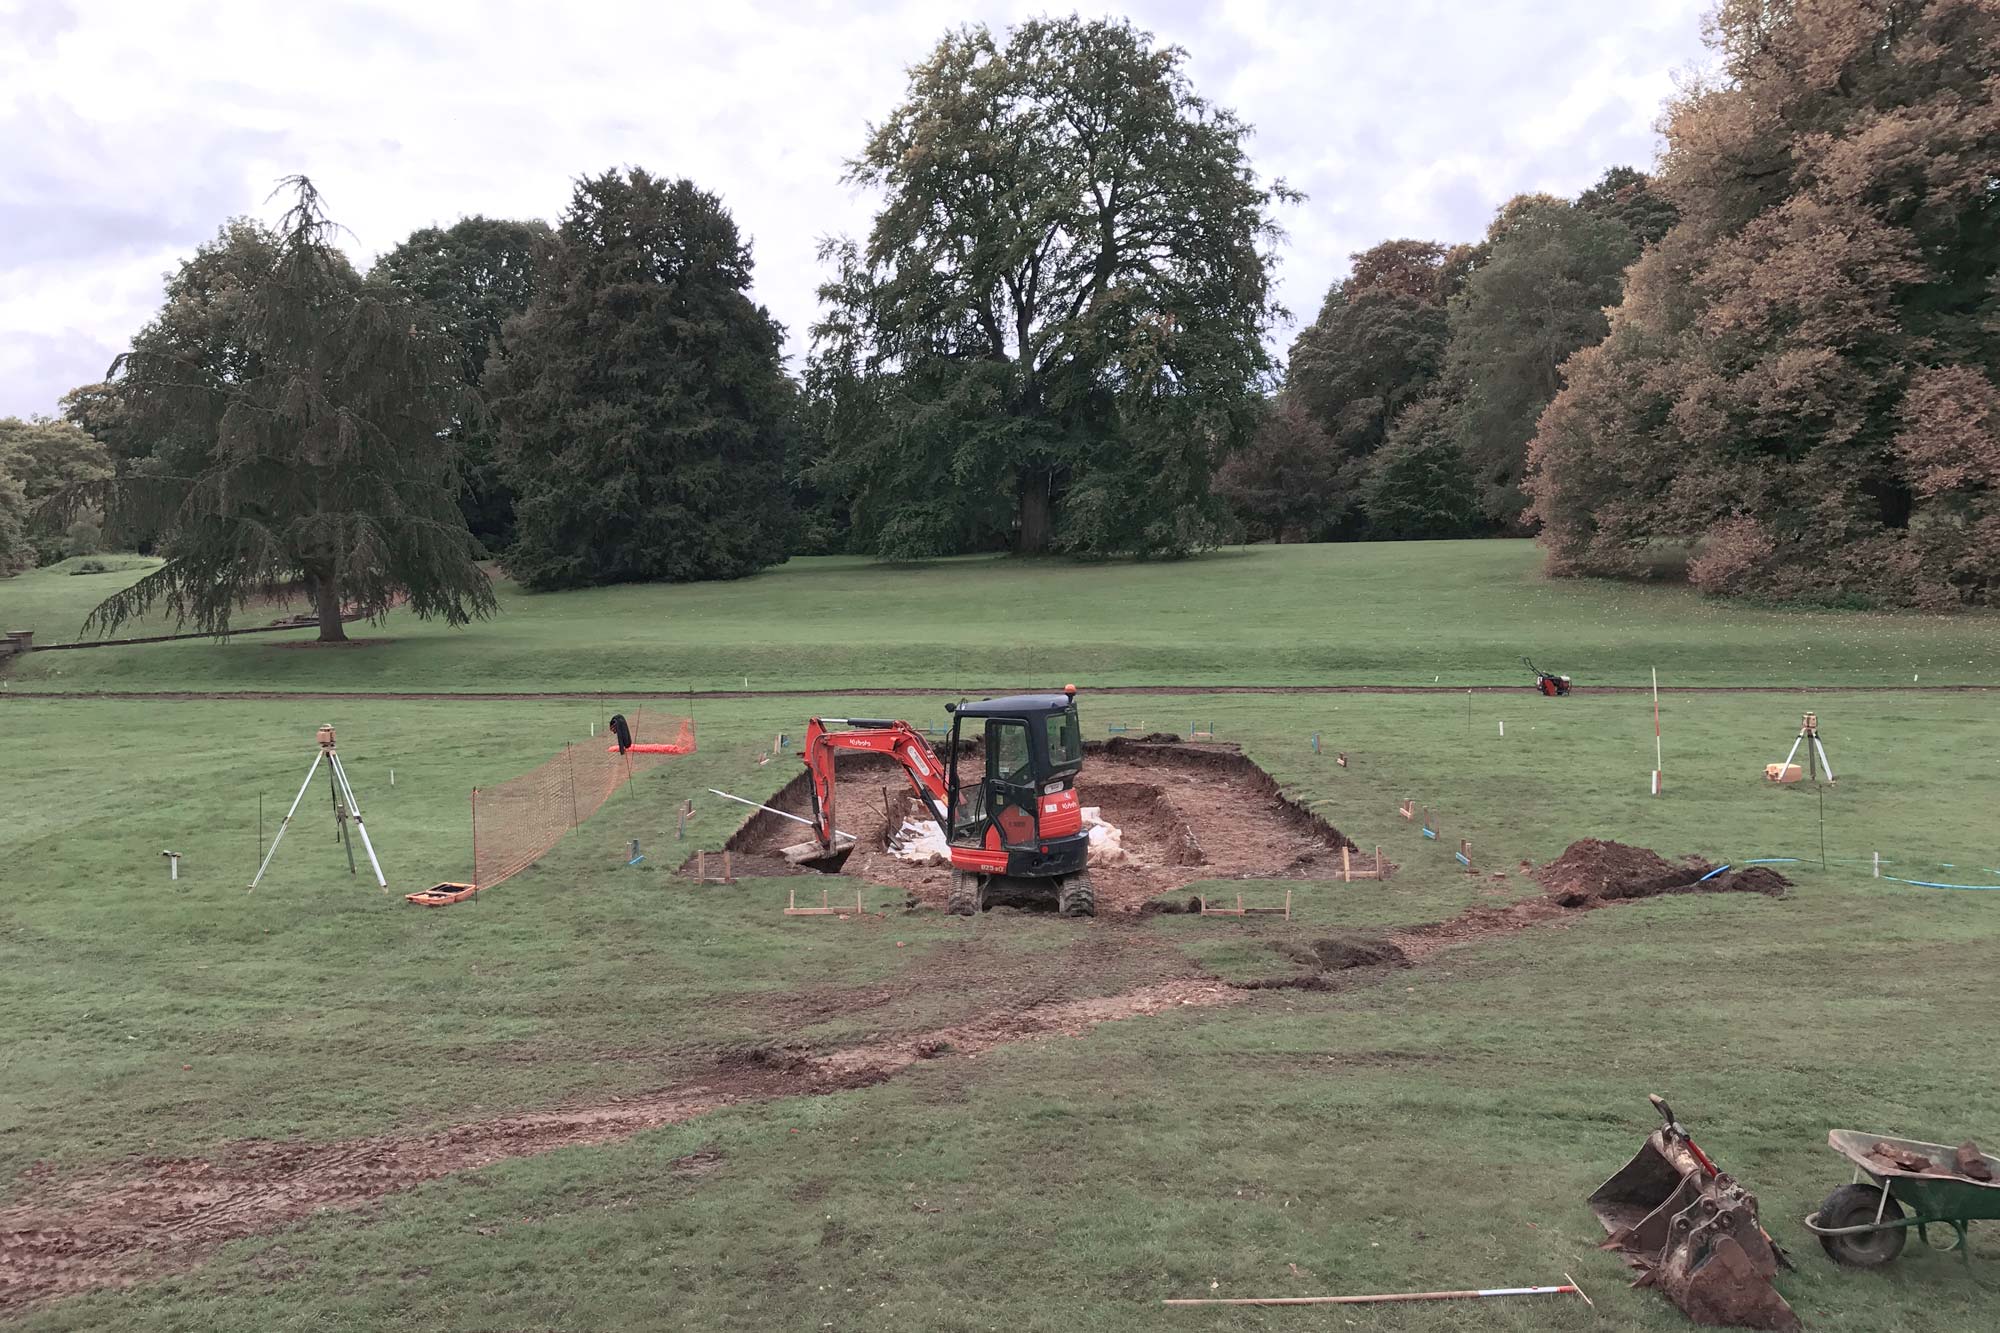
(642, 411)
(302, 418)
(473, 276)
(1803, 378)
(1056, 327)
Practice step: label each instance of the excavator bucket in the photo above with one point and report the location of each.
(1693, 1233)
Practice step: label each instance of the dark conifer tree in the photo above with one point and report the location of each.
(642, 410)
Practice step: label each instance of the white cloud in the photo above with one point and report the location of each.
(133, 129)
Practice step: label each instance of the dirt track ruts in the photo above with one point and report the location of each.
(150, 1217)
(913, 692)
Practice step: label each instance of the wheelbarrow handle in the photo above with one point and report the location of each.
(1660, 1105)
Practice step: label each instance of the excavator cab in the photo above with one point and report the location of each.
(1005, 794)
(1015, 818)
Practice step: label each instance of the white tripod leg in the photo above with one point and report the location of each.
(287, 821)
(1794, 751)
(1824, 762)
(354, 808)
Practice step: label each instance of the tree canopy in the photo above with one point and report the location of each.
(1287, 483)
(473, 276)
(298, 418)
(1056, 326)
(1377, 346)
(1801, 377)
(642, 414)
(39, 460)
(1537, 294)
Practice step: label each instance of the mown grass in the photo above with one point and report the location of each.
(1434, 1127)
(1425, 1128)
(1399, 613)
(56, 600)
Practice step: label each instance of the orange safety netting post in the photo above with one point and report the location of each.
(515, 822)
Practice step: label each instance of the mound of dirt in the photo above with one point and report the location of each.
(1358, 951)
(1593, 870)
(1750, 879)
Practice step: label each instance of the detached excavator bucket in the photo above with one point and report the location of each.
(1693, 1233)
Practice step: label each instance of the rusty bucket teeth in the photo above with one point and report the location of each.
(1695, 1238)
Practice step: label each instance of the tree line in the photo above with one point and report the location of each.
(1773, 357)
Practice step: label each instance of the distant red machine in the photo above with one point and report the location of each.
(1547, 682)
(1011, 814)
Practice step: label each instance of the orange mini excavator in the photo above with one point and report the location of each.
(1009, 808)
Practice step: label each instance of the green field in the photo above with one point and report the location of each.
(1421, 1128)
(1456, 613)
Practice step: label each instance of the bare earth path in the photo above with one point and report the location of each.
(146, 1218)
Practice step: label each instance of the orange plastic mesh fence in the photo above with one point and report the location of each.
(516, 821)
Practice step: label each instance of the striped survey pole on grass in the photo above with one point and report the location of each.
(1568, 1288)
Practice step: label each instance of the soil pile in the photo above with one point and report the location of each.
(1750, 879)
(1592, 871)
(1345, 951)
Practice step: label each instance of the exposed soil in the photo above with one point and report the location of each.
(1186, 813)
(1345, 952)
(149, 1217)
(1593, 870)
(1588, 875)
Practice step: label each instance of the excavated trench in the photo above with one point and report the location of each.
(1183, 813)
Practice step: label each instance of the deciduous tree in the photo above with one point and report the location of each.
(1800, 375)
(44, 458)
(1057, 322)
(1377, 346)
(1290, 483)
(473, 276)
(1627, 197)
(1538, 293)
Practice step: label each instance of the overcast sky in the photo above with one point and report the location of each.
(130, 129)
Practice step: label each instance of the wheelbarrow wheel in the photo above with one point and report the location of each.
(1854, 1206)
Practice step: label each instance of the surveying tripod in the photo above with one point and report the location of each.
(345, 807)
(1815, 752)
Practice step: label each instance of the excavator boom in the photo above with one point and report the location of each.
(899, 740)
(1009, 809)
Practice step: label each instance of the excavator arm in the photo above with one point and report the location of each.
(899, 740)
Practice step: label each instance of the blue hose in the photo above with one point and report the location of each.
(1927, 884)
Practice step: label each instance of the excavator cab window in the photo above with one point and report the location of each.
(1065, 741)
(1010, 773)
(1013, 762)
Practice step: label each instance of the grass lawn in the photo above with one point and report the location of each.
(54, 601)
(1420, 1128)
(1398, 613)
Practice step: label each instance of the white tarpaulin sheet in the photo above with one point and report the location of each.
(921, 842)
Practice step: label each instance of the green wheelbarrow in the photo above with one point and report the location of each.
(1864, 1226)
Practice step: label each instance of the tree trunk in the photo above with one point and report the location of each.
(326, 594)
(1037, 513)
